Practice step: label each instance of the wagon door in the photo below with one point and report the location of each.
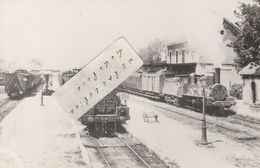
(149, 83)
(153, 84)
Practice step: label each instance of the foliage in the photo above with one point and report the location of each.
(154, 52)
(236, 91)
(247, 44)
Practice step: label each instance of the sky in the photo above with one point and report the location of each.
(68, 33)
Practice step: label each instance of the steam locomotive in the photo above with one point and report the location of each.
(20, 83)
(182, 91)
(106, 115)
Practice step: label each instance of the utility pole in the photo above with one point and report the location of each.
(42, 96)
(203, 125)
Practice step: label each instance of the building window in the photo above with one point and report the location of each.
(176, 54)
(183, 55)
(170, 57)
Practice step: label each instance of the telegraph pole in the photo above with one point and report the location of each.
(204, 140)
(42, 96)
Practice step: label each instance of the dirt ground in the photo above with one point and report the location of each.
(180, 143)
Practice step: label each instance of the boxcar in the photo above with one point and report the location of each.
(153, 82)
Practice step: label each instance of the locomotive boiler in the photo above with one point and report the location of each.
(20, 83)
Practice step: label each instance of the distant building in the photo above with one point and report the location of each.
(182, 59)
(180, 52)
(185, 60)
(251, 84)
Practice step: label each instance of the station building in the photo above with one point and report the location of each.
(182, 59)
(251, 83)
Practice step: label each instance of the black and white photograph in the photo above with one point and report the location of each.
(129, 83)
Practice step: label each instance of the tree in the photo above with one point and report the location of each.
(247, 44)
(154, 52)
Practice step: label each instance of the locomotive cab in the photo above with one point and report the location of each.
(106, 114)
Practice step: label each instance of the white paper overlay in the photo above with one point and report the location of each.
(98, 78)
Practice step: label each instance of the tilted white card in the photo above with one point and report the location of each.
(98, 78)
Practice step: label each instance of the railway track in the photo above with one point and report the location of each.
(119, 151)
(246, 121)
(104, 157)
(6, 107)
(109, 154)
(239, 128)
(3, 109)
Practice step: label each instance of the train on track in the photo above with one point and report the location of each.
(3, 78)
(20, 83)
(107, 115)
(67, 75)
(182, 90)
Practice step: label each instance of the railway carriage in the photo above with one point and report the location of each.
(3, 78)
(20, 83)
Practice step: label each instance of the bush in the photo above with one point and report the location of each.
(236, 91)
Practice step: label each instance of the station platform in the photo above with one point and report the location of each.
(247, 109)
(178, 141)
(35, 136)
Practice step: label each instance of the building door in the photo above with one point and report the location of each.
(170, 57)
(253, 87)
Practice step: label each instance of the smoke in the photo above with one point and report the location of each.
(206, 39)
(35, 63)
(11, 65)
(8, 66)
(201, 28)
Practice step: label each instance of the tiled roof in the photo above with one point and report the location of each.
(250, 69)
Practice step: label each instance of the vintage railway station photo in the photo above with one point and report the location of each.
(130, 84)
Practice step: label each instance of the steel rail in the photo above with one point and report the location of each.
(4, 102)
(195, 118)
(139, 157)
(174, 111)
(245, 119)
(102, 153)
(251, 120)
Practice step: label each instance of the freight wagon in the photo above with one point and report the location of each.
(20, 83)
(3, 78)
(185, 90)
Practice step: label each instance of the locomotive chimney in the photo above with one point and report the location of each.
(217, 75)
